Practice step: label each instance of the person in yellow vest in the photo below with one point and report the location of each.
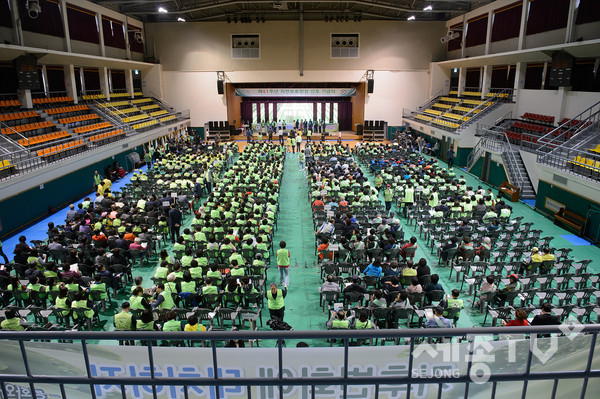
(409, 198)
(11, 322)
(81, 301)
(338, 320)
(137, 300)
(363, 321)
(164, 300)
(283, 264)
(146, 321)
(275, 301)
(193, 325)
(124, 320)
(172, 324)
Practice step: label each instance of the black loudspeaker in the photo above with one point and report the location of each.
(370, 85)
(220, 87)
(359, 130)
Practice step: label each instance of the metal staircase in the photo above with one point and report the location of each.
(493, 139)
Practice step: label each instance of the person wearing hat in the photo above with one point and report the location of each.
(534, 258)
(513, 285)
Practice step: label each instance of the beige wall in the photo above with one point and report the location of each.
(383, 45)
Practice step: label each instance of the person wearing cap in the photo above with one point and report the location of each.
(388, 196)
(513, 285)
(535, 257)
(438, 320)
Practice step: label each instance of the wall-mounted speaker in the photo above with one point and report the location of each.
(220, 88)
(370, 85)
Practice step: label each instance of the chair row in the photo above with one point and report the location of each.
(135, 118)
(108, 135)
(66, 110)
(9, 103)
(87, 97)
(79, 118)
(149, 107)
(158, 113)
(91, 128)
(61, 149)
(539, 118)
(27, 127)
(44, 138)
(141, 100)
(18, 115)
(51, 100)
(168, 118)
(145, 124)
(114, 104)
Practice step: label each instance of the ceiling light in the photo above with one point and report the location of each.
(160, 9)
(411, 18)
(428, 8)
(180, 19)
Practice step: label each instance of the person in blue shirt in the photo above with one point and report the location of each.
(438, 320)
(374, 269)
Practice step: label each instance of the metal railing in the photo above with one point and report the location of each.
(430, 101)
(503, 95)
(494, 139)
(162, 101)
(487, 355)
(569, 140)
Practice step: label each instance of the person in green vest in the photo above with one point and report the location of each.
(283, 264)
(275, 301)
(215, 274)
(378, 180)
(172, 324)
(62, 301)
(34, 285)
(338, 320)
(388, 196)
(11, 322)
(124, 320)
(146, 322)
(164, 300)
(409, 198)
(137, 300)
(97, 179)
(236, 269)
(98, 285)
(209, 288)
(363, 321)
(162, 271)
(81, 301)
(454, 302)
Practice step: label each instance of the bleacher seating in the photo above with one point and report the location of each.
(538, 118)
(424, 117)
(158, 113)
(77, 119)
(10, 103)
(456, 116)
(138, 94)
(67, 110)
(103, 138)
(433, 112)
(149, 107)
(19, 115)
(89, 97)
(61, 150)
(586, 166)
(141, 100)
(443, 106)
(29, 128)
(446, 124)
(167, 118)
(125, 111)
(144, 125)
(44, 138)
(115, 104)
(52, 100)
(119, 95)
(450, 99)
(6, 168)
(135, 118)
(91, 128)
(471, 94)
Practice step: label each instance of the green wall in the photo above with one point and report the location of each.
(197, 130)
(477, 169)
(497, 173)
(27, 207)
(462, 156)
(573, 202)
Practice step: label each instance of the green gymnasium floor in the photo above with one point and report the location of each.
(295, 226)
